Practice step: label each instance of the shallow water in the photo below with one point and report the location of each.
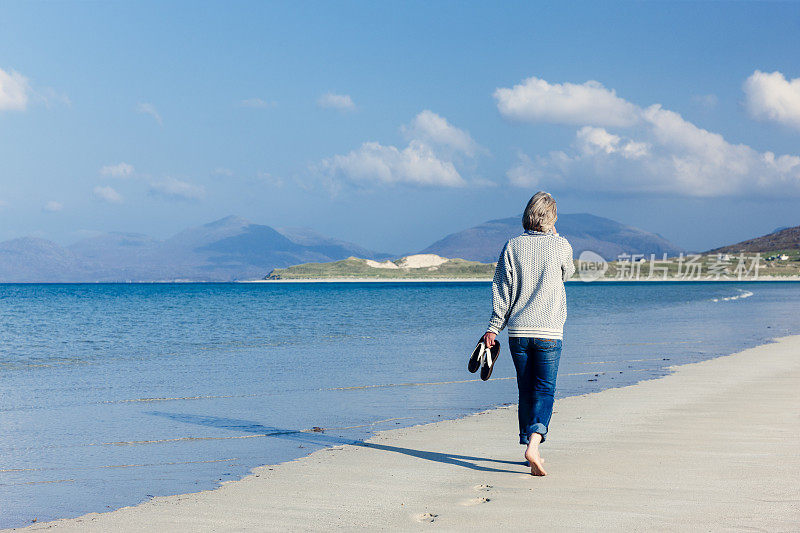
(111, 394)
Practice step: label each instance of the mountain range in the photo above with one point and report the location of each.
(603, 236)
(233, 248)
(782, 239)
(228, 249)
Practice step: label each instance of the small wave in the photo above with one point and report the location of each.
(742, 294)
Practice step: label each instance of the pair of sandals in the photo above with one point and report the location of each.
(484, 358)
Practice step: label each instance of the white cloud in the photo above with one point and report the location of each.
(342, 102)
(120, 170)
(270, 180)
(663, 153)
(16, 92)
(14, 89)
(257, 103)
(535, 100)
(707, 101)
(222, 171)
(107, 194)
(527, 173)
(593, 141)
(434, 129)
(52, 206)
(174, 189)
(770, 96)
(434, 152)
(49, 97)
(149, 109)
(374, 162)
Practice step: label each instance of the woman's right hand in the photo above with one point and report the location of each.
(488, 339)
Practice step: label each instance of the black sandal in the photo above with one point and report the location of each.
(476, 358)
(489, 359)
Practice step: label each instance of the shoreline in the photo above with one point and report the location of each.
(658, 451)
(489, 280)
(392, 280)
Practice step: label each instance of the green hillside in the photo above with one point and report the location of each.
(702, 267)
(782, 241)
(357, 268)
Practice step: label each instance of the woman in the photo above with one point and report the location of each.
(528, 296)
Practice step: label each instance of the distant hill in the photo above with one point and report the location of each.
(308, 237)
(228, 249)
(426, 266)
(32, 259)
(584, 232)
(780, 240)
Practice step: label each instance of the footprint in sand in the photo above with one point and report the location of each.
(482, 488)
(426, 517)
(475, 501)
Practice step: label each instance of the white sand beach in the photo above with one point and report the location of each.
(711, 447)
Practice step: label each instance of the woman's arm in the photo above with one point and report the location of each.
(567, 265)
(501, 296)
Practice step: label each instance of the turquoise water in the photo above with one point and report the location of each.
(112, 394)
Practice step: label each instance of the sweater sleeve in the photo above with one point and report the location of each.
(567, 265)
(501, 291)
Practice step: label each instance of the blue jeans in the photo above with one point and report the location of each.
(536, 361)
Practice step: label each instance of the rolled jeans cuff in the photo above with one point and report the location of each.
(525, 438)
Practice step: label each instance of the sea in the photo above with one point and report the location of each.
(111, 394)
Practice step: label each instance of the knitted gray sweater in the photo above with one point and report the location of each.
(528, 288)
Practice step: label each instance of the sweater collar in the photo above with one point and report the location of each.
(534, 232)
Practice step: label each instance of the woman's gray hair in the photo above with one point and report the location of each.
(540, 214)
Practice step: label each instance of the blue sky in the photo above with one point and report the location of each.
(393, 124)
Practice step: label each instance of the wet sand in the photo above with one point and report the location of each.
(712, 446)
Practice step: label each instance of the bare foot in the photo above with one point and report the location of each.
(535, 461)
